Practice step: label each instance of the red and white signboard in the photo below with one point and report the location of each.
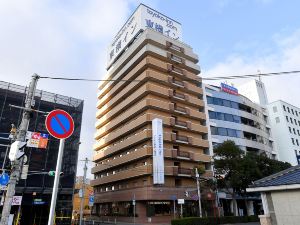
(37, 140)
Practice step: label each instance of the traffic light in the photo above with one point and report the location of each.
(51, 173)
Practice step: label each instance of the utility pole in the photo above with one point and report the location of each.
(82, 188)
(199, 192)
(16, 165)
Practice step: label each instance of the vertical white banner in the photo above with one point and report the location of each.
(158, 151)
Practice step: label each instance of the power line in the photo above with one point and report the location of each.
(243, 76)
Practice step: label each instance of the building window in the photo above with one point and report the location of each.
(214, 130)
(292, 111)
(297, 142)
(294, 130)
(209, 100)
(299, 122)
(290, 129)
(274, 108)
(298, 132)
(284, 108)
(288, 109)
(291, 120)
(287, 118)
(231, 132)
(277, 119)
(293, 141)
(222, 131)
(295, 121)
(296, 113)
(211, 115)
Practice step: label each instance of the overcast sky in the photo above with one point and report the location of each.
(69, 38)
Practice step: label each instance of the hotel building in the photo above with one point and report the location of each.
(151, 104)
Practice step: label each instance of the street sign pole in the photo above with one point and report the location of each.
(61, 126)
(56, 181)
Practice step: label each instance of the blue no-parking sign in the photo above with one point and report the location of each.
(60, 124)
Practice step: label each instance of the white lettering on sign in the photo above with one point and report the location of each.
(158, 151)
(143, 18)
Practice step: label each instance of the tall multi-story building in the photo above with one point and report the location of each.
(151, 123)
(36, 190)
(234, 117)
(285, 121)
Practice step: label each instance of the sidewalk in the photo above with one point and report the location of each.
(121, 223)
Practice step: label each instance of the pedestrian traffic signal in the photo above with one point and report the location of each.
(51, 173)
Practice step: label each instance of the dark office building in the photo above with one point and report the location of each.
(37, 188)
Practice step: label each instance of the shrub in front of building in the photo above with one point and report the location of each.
(215, 220)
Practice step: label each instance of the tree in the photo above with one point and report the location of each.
(227, 160)
(240, 169)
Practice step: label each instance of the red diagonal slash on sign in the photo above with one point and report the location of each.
(60, 124)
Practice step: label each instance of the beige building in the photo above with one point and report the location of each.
(155, 77)
(88, 190)
(280, 194)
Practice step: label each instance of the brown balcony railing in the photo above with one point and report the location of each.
(182, 138)
(181, 123)
(179, 95)
(180, 109)
(175, 69)
(184, 171)
(183, 154)
(176, 58)
(178, 82)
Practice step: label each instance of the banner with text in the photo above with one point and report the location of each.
(144, 17)
(37, 140)
(158, 151)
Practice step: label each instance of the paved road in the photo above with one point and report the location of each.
(255, 223)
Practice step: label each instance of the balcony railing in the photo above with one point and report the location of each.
(183, 154)
(180, 109)
(179, 95)
(184, 171)
(178, 83)
(181, 123)
(182, 138)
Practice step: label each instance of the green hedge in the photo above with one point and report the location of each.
(214, 220)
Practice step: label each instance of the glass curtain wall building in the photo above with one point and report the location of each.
(37, 189)
(237, 118)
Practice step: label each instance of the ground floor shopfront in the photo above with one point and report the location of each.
(152, 211)
(35, 207)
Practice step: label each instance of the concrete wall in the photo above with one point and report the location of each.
(286, 207)
(280, 128)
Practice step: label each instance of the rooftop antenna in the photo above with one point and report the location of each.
(259, 75)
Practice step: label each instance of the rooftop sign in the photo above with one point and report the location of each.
(143, 18)
(229, 89)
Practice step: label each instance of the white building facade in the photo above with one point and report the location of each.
(232, 116)
(285, 122)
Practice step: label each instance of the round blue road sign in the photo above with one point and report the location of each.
(60, 124)
(92, 198)
(4, 178)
